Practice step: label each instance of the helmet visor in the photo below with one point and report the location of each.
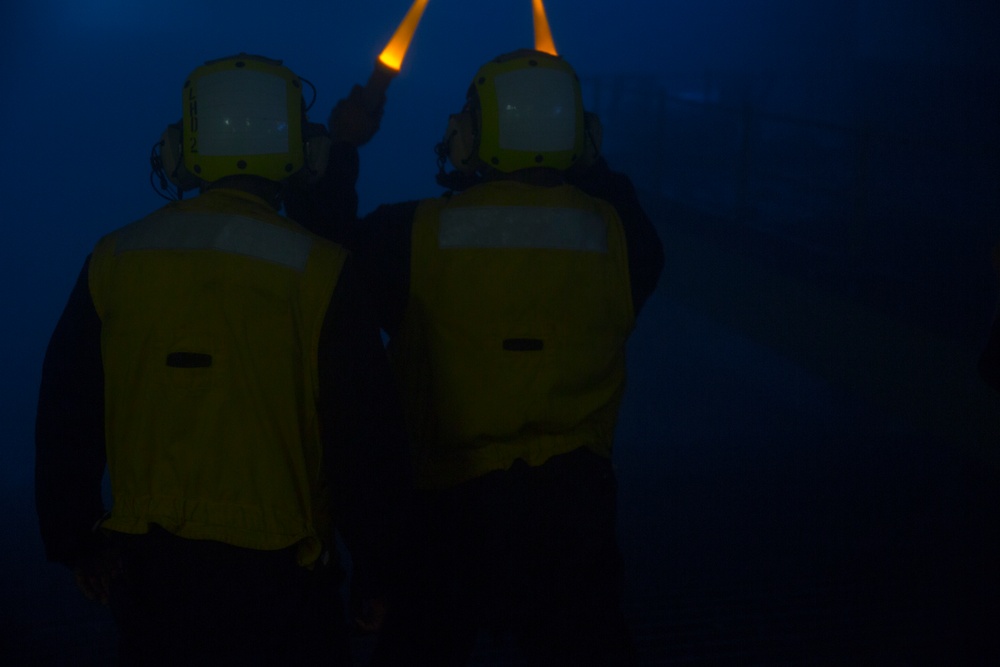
(242, 113)
(536, 110)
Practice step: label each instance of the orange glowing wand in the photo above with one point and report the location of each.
(543, 34)
(391, 59)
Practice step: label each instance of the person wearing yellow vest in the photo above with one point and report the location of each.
(222, 363)
(508, 303)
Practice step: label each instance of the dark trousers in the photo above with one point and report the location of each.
(194, 602)
(526, 551)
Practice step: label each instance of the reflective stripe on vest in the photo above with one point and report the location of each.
(523, 227)
(233, 234)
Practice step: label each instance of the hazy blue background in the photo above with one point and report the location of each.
(825, 177)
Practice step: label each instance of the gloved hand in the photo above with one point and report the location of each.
(369, 615)
(356, 118)
(93, 574)
(367, 604)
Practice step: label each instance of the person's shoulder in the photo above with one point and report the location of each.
(130, 227)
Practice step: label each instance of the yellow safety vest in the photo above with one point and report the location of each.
(211, 312)
(513, 342)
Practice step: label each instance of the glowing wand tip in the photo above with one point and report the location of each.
(391, 59)
(394, 52)
(543, 34)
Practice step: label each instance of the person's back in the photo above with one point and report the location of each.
(513, 340)
(508, 304)
(207, 307)
(220, 357)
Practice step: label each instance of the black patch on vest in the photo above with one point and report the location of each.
(189, 360)
(522, 344)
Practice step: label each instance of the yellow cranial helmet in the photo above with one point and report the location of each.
(243, 116)
(529, 112)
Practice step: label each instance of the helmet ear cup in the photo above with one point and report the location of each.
(316, 151)
(172, 154)
(460, 139)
